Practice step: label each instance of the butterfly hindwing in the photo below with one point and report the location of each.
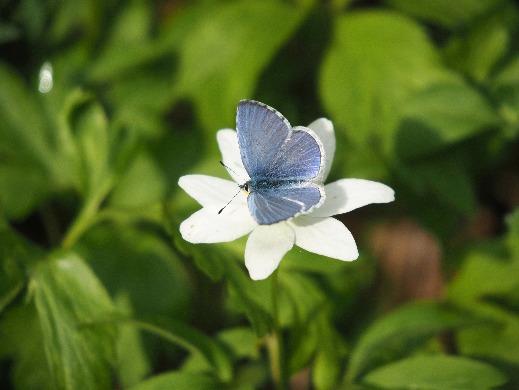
(271, 205)
(299, 158)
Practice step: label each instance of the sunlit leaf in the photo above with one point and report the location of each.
(505, 89)
(478, 50)
(436, 372)
(484, 277)
(217, 82)
(483, 274)
(444, 12)
(180, 381)
(68, 296)
(400, 332)
(376, 61)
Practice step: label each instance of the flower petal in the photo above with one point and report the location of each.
(209, 190)
(323, 128)
(327, 237)
(266, 246)
(207, 226)
(228, 144)
(345, 195)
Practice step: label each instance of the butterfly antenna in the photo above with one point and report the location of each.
(230, 169)
(229, 202)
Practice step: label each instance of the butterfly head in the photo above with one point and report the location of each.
(245, 187)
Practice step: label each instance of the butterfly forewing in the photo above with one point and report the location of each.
(261, 133)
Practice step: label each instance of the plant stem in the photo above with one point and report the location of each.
(87, 216)
(275, 341)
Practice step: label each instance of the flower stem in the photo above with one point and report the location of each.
(275, 340)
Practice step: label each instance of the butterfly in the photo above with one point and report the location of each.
(284, 164)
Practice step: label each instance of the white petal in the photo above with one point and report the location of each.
(323, 128)
(207, 226)
(266, 246)
(327, 237)
(349, 194)
(209, 190)
(228, 144)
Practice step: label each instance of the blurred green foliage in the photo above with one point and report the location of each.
(97, 288)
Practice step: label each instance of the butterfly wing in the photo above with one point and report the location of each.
(299, 158)
(271, 149)
(271, 205)
(261, 133)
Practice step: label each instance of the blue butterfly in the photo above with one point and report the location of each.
(284, 164)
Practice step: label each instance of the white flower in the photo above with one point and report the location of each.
(316, 232)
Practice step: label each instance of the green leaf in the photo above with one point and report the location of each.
(444, 12)
(26, 155)
(17, 257)
(127, 43)
(180, 381)
(400, 332)
(89, 125)
(491, 342)
(436, 372)
(138, 263)
(241, 343)
(12, 278)
(8, 32)
(427, 177)
(67, 296)
(23, 122)
(330, 355)
(217, 82)
(440, 116)
(476, 51)
(22, 342)
(301, 298)
(132, 363)
(376, 61)
(32, 15)
(142, 184)
(245, 295)
(194, 341)
(483, 274)
(512, 221)
(505, 89)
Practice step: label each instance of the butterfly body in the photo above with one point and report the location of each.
(284, 164)
(268, 184)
